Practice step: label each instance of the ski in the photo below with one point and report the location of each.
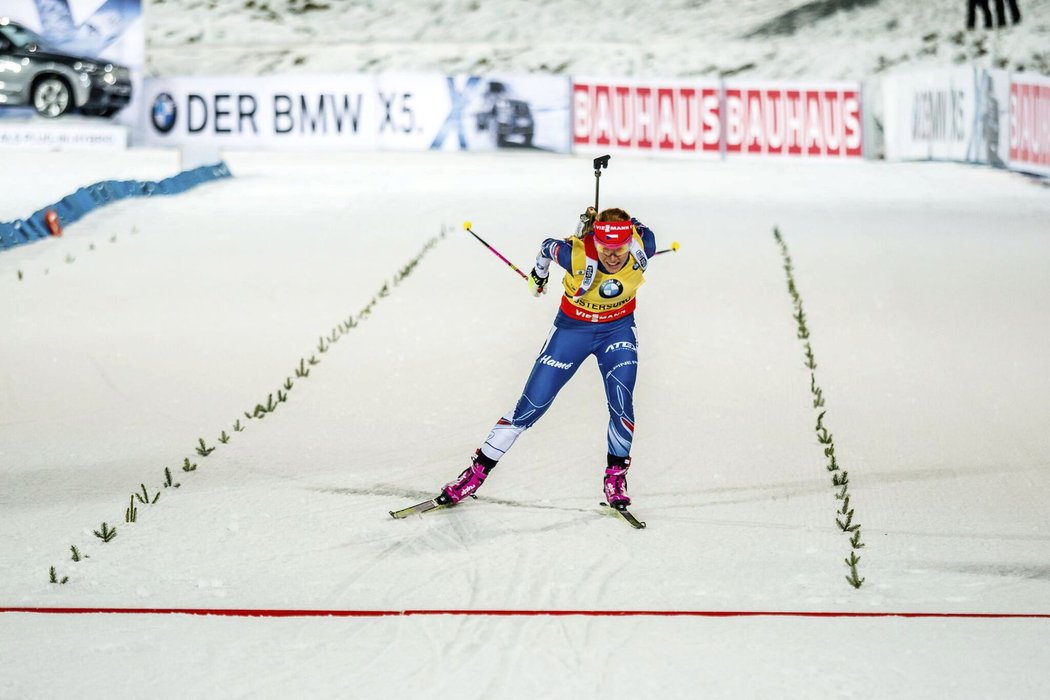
(440, 501)
(626, 515)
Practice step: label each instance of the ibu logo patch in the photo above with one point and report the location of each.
(610, 289)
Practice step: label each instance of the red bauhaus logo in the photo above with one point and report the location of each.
(1030, 123)
(708, 117)
(650, 117)
(764, 120)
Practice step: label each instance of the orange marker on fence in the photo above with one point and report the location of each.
(53, 224)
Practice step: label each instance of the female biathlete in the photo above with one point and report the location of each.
(603, 270)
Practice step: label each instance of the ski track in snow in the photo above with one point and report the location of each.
(913, 277)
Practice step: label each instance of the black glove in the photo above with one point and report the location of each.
(537, 284)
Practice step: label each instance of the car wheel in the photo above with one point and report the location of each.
(51, 97)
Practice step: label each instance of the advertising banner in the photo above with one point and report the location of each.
(802, 120)
(388, 111)
(504, 111)
(956, 114)
(665, 117)
(714, 119)
(269, 112)
(1030, 124)
(77, 38)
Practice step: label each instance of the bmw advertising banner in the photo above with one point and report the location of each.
(359, 112)
(60, 57)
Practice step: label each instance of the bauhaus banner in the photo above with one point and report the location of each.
(1030, 124)
(715, 119)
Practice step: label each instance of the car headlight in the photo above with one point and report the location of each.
(109, 79)
(86, 67)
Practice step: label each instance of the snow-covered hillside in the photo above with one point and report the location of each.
(828, 39)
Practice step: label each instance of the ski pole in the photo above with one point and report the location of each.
(599, 163)
(673, 248)
(467, 225)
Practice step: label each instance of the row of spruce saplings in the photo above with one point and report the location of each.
(106, 533)
(839, 477)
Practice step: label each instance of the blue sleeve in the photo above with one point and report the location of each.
(559, 251)
(648, 237)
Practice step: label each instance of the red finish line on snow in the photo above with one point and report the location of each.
(231, 612)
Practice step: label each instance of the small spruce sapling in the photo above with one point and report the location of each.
(854, 578)
(224, 438)
(76, 552)
(187, 467)
(168, 480)
(847, 526)
(107, 533)
(202, 449)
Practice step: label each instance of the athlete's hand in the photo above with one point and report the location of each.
(537, 284)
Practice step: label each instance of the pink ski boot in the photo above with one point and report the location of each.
(616, 482)
(468, 482)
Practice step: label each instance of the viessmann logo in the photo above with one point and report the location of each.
(164, 113)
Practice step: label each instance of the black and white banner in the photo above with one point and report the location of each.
(365, 112)
(956, 114)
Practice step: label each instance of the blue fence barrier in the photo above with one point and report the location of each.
(72, 208)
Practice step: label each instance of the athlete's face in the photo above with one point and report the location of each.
(612, 259)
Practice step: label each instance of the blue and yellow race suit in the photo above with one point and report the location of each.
(596, 318)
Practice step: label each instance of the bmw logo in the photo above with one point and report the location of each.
(163, 113)
(610, 289)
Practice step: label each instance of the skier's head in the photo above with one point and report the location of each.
(612, 236)
(612, 228)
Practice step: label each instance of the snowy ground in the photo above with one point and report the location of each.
(924, 288)
(809, 39)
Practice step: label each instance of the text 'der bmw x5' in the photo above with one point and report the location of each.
(54, 82)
